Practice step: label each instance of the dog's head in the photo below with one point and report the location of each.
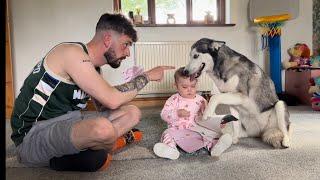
(203, 54)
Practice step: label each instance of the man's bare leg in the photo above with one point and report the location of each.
(101, 133)
(125, 118)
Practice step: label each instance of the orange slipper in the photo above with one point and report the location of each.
(106, 163)
(132, 136)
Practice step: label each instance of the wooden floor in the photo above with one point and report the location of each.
(139, 102)
(149, 102)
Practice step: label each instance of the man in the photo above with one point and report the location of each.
(48, 126)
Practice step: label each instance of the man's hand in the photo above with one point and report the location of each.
(183, 113)
(156, 74)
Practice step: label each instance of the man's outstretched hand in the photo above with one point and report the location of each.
(156, 74)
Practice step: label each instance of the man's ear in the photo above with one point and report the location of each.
(215, 45)
(107, 39)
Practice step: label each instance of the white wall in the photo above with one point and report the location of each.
(37, 25)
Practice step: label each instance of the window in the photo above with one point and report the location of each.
(174, 12)
(201, 7)
(177, 9)
(125, 6)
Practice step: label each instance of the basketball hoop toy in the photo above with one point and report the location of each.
(270, 30)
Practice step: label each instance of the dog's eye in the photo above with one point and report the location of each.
(195, 56)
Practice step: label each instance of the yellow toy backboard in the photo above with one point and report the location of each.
(265, 11)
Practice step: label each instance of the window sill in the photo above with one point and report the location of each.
(184, 25)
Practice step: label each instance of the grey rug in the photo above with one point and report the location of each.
(250, 159)
(152, 127)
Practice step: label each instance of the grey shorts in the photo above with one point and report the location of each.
(51, 138)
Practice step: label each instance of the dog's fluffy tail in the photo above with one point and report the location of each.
(273, 137)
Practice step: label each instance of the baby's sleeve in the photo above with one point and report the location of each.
(203, 103)
(169, 111)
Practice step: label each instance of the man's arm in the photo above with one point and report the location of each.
(169, 111)
(84, 74)
(79, 67)
(137, 83)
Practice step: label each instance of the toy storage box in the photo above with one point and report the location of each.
(297, 83)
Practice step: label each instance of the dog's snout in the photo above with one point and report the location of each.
(185, 72)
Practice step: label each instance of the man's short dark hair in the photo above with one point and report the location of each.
(118, 23)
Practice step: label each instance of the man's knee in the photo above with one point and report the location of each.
(103, 130)
(134, 113)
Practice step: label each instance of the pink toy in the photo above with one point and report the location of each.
(299, 56)
(132, 72)
(315, 103)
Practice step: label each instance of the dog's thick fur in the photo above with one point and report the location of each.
(246, 88)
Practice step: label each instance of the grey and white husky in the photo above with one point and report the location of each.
(246, 88)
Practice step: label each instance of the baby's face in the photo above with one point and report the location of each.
(186, 88)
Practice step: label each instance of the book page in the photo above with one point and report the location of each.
(212, 123)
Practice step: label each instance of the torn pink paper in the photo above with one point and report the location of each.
(132, 72)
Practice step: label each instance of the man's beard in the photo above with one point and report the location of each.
(111, 58)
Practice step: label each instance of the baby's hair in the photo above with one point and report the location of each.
(180, 74)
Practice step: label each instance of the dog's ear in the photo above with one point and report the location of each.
(215, 45)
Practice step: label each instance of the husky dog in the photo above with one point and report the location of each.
(246, 88)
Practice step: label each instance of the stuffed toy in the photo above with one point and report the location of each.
(314, 85)
(317, 95)
(299, 56)
(315, 103)
(315, 61)
(317, 81)
(314, 89)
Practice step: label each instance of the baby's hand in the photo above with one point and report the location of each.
(198, 118)
(183, 113)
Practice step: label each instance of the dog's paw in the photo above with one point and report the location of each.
(215, 154)
(277, 145)
(235, 140)
(286, 142)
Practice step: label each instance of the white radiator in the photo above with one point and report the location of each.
(151, 54)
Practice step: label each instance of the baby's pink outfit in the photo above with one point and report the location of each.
(179, 129)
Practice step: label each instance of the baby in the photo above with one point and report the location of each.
(180, 112)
